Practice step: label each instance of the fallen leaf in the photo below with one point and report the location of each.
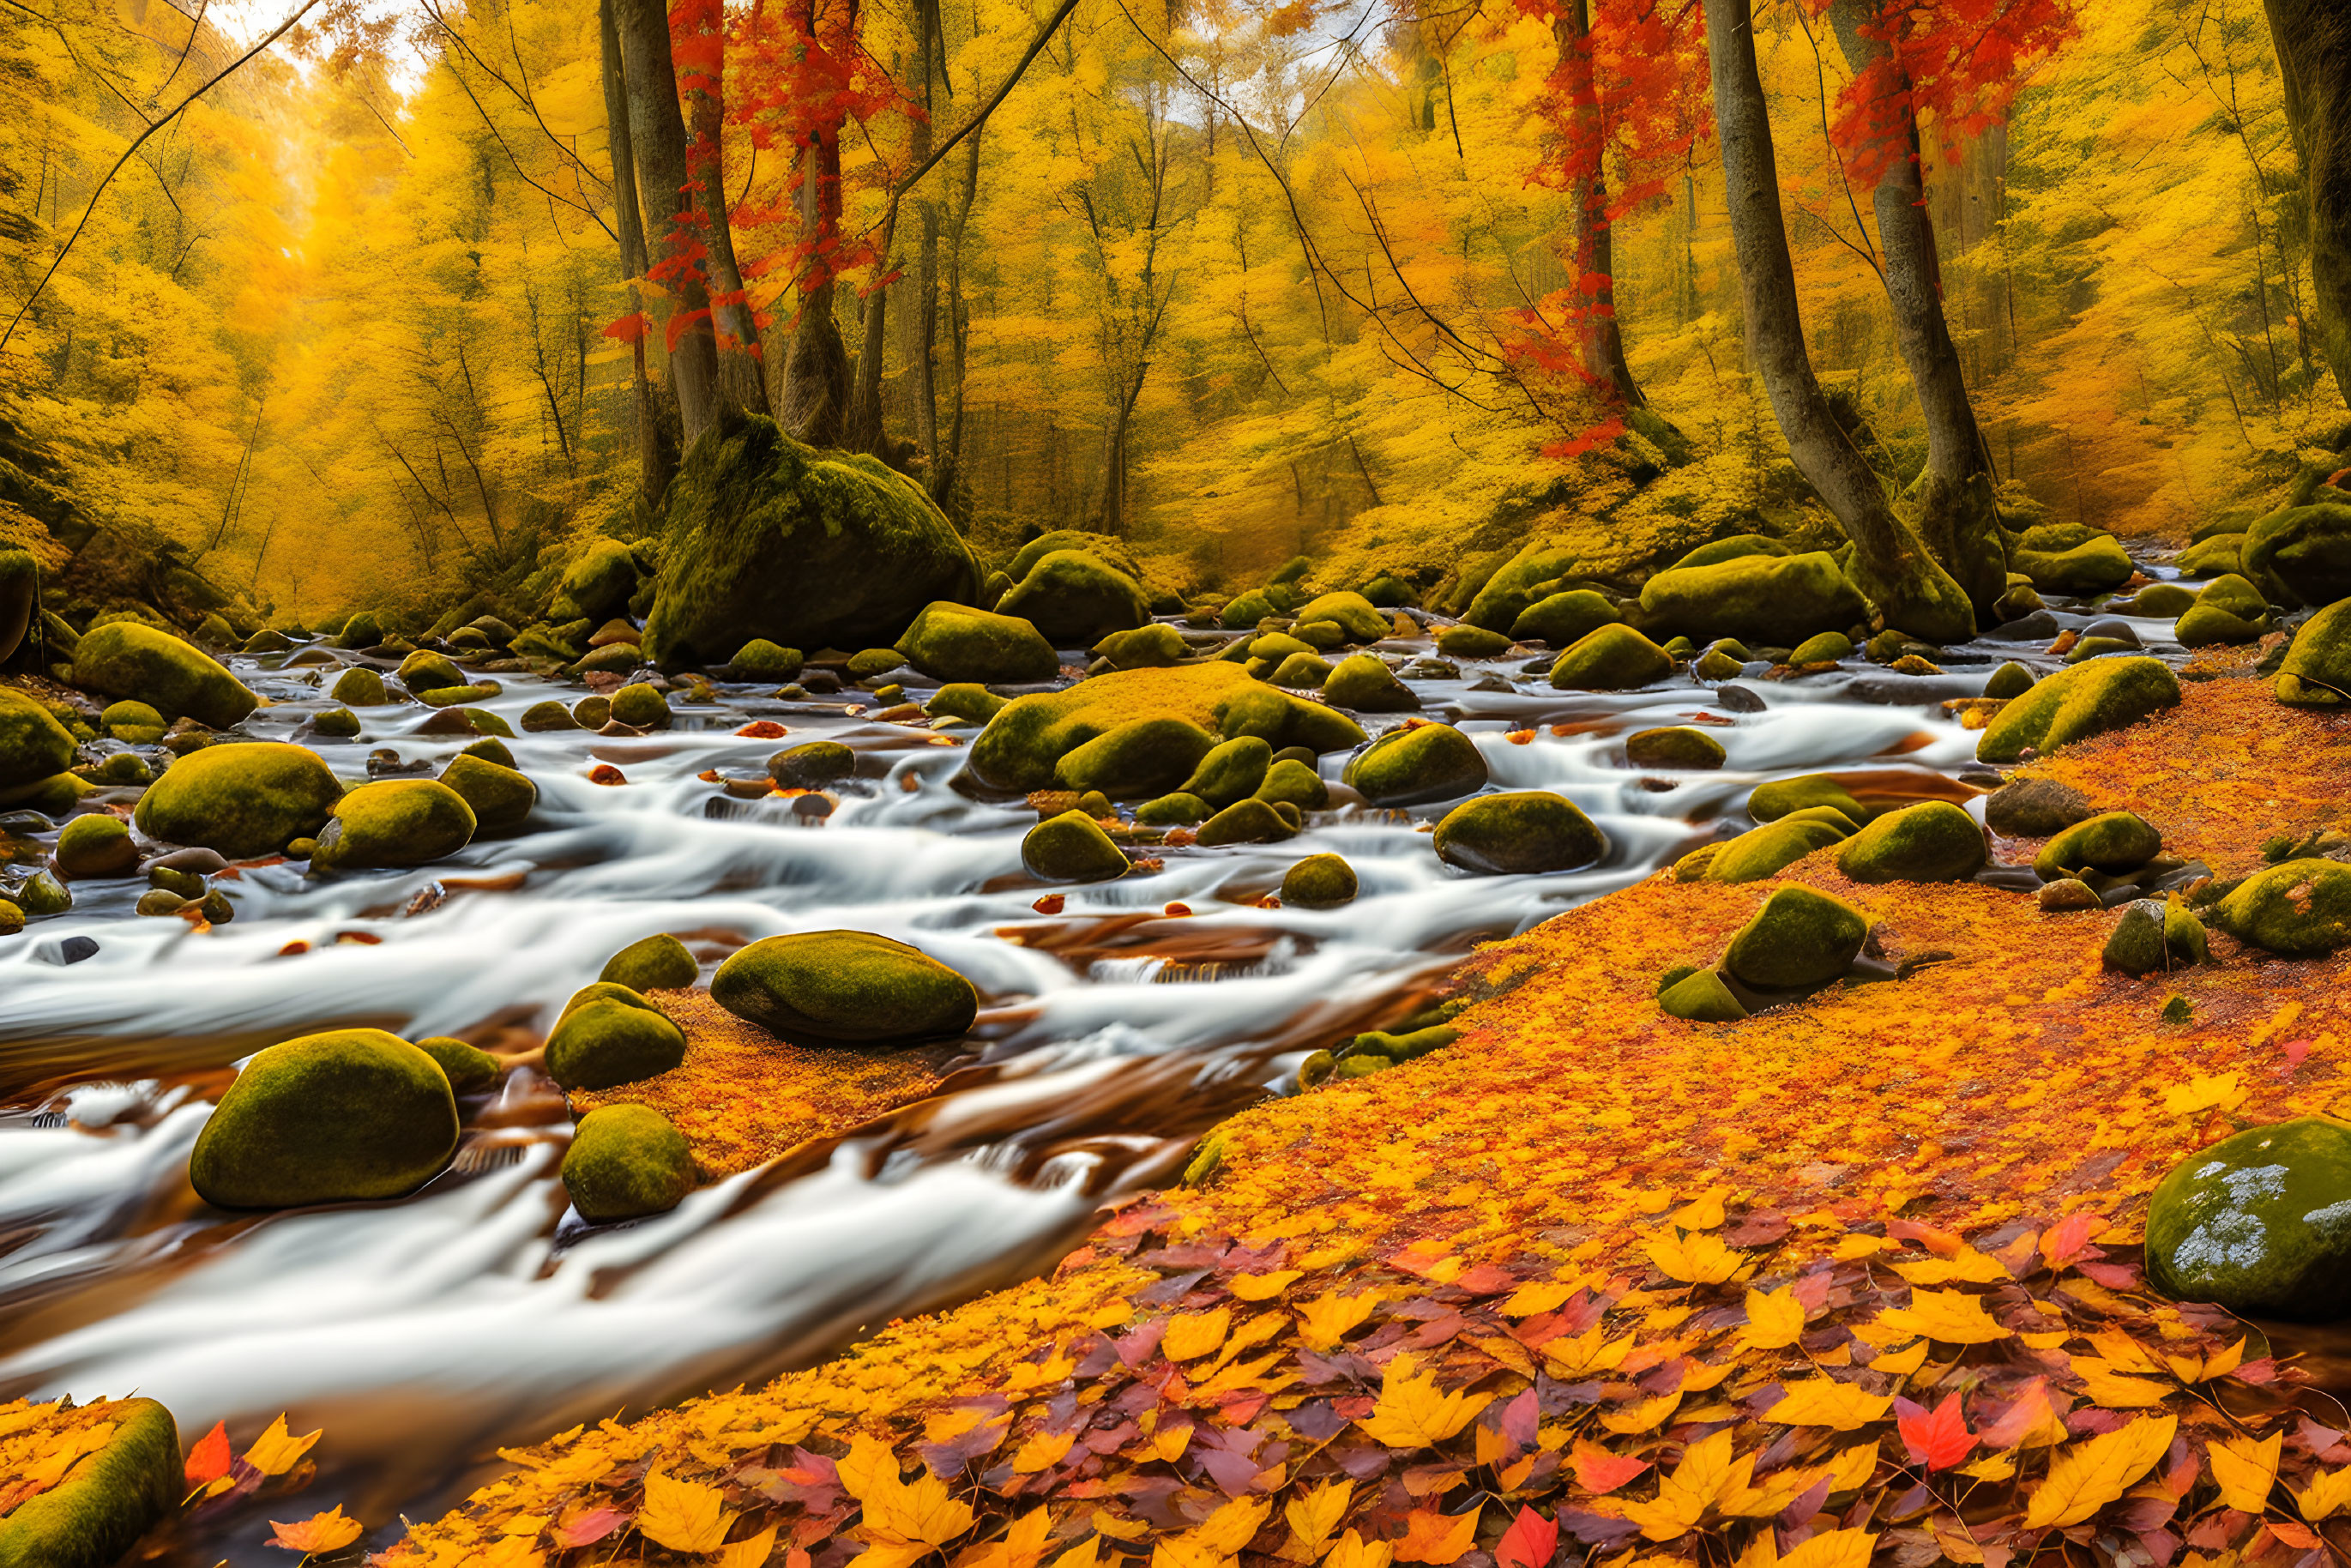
(683, 1516)
(1825, 1402)
(328, 1531)
(208, 1460)
(1436, 1538)
(1937, 1439)
(751, 1553)
(275, 1452)
(2245, 1468)
(1412, 1413)
(2087, 1476)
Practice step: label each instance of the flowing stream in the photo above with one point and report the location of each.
(423, 1334)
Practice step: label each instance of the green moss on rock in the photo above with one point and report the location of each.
(1174, 810)
(812, 765)
(1417, 763)
(1797, 939)
(1701, 998)
(125, 659)
(1250, 821)
(1363, 682)
(500, 796)
(1777, 601)
(2112, 842)
(641, 706)
(1564, 619)
(1471, 642)
(425, 671)
(1524, 832)
(1351, 613)
(343, 1116)
(1771, 801)
(467, 1067)
(1230, 771)
(609, 1035)
(94, 1516)
(1678, 749)
(626, 1162)
(33, 745)
(2301, 555)
(2316, 670)
(394, 823)
(242, 801)
(1933, 840)
(844, 985)
(2099, 565)
(1318, 882)
(1763, 852)
(96, 846)
(764, 661)
(1071, 847)
(2214, 557)
(2301, 909)
(1822, 648)
(1615, 658)
(659, 962)
(1142, 648)
(1075, 599)
(2259, 1223)
(2079, 703)
(1137, 760)
(1293, 781)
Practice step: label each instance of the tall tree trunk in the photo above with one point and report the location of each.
(656, 456)
(958, 323)
(1912, 591)
(813, 399)
(736, 338)
(2313, 48)
(863, 431)
(1957, 518)
(657, 135)
(926, 265)
(1595, 244)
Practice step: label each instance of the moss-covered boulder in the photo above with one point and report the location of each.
(1137, 760)
(1525, 579)
(965, 700)
(500, 796)
(1701, 998)
(641, 706)
(1797, 939)
(2208, 625)
(1679, 749)
(543, 717)
(1075, 599)
(1351, 613)
(2301, 555)
(2169, 600)
(2214, 557)
(1471, 642)
(609, 1035)
(1771, 801)
(846, 985)
(2236, 595)
(20, 594)
(425, 671)
(599, 583)
(467, 1067)
(360, 686)
(768, 539)
(125, 659)
(1417, 763)
(2079, 703)
(659, 962)
(1250, 821)
(1230, 771)
(394, 823)
(1071, 847)
(1300, 671)
(1318, 882)
(2259, 1223)
(2301, 909)
(2097, 565)
(33, 745)
(1774, 600)
(1244, 610)
(133, 723)
(1022, 745)
(96, 846)
(347, 1116)
(870, 665)
(1615, 658)
(2112, 843)
(1363, 682)
(812, 765)
(1564, 619)
(1764, 851)
(764, 661)
(95, 1516)
(2316, 670)
(1173, 809)
(1931, 841)
(1523, 832)
(362, 629)
(1143, 648)
(626, 1162)
(1822, 648)
(242, 801)
(1295, 782)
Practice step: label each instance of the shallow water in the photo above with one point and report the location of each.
(423, 1333)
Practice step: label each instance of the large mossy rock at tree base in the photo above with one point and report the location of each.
(767, 537)
(33, 745)
(1075, 599)
(659, 962)
(2316, 670)
(1417, 763)
(1527, 831)
(1774, 600)
(2259, 1223)
(242, 800)
(2099, 565)
(2301, 909)
(1071, 847)
(1731, 549)
(2074, 705)
(124, 659)
(626, 1162)
(107, 1501)
(1931, 841)
(844, 986)
(955, 643)
(2301, 555)
(349, 1115)
(501, 798)
(1799, 938)
(1614, 658)
(608, 1035)
(394, 823)
(1024, 743)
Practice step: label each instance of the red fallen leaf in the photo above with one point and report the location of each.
(365, 938)
(2300, 1537)
(328, 1531)
(2113, 1276)
(2257, 1372)
(587, 1528)
(762, 729)
(1177, 911)
(208, 1460)
(1937, 1438)
(1520, 737)
(1598, 1471)
(605, 773)
(2068, 1238)
(1050, 905)
(1529, 1542)
(294, 949)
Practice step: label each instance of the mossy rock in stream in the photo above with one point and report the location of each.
(501, 798)
(1797, 939)
(1022, 745)
(609, 1035)
(763, 661)
(2097, 565)
(1173, 809)
(1417, 763)
(133, 722)
(2169, 600)
(1771, 601)
(1288, 779)
(2112, 843)
(811, 765)
(1933, 840)
(1151, 647)
(1074, 598)
(125, 659)
(1071, 847)
(1679, 749)
(1763, 852)
(2316, 670)
(1822, 648)
(1300, 671)
(348, 1115)
(844, 986)
(1244, 610)
(1471, 642)
(2011, 680)
(1614, 658)
(2219, 556)
(965, 700)
(2076, 704)
(1563, 620)
(242, 801)
(1318, 882)
(626, 1162)
(467, 1067)
(33, 745)
(655, 963)
(1230, 771)
(2301, 909)
(95, 1516)
(1250, 821)
(1522, 580)
(2301, 555)
(94, 847)
(1701, 998)
(425, 671)
(394, 823)
(1351, 613)
(543, 717)
(1363, 682)
(2259, 1223)
(1137, 760)
(641, 706)
(1521, 832)
(1771, 801)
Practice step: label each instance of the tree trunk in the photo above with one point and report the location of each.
(864, 431)
(737, 338)
(2314, 46)
(813, 401)
(657, 135)
(926, 273)
(943, 476)
(1912, 591)
(1595, 244)
(1957, 518)
(657, 458)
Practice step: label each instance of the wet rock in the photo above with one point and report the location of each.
(125, 659)
(2135, 946)
(1799, 938)
(1177, 809)
(964, 700)
(2301, 555)
(1521, 831)
(2010, 680)
(540, 718)
(1300, 671)
(2208, 625)
(592, 712)
(626, 1162)
(500, 796)
(394, 823)
(1363, 683)
(609, 1035)
(1764, 851)
(1250, 821)
(1294, 782)
(1701, 998)
(133, 723)
(870, 665)
(335, 724)
(1318, 882)
(765, 662)
(12, 919)
(1416, 764)
(641, 706)
(1739, 699)
(2316, 670)
(1022, 745)
(2036, 809)
(469, 1068)
(844, 985)
(1934, 840)
(1351, 613)
(1771, 801)
(43, 895)
(1778, 600)
(811, 765)
(2168, 601)
(659, 962)
(2259, 1223)
(33, 745)
(1230, 771)
(2214, 557)
(424, 671)
(1154, 647)
(2090, 648)
(95, 1516)
(2300, 909)
(1471, 642)
(344, 1116)
(2067, 895)
(96, 846)
(2099, 565)
(2113, 842)
(1137, 760)
(1822, 648)
(1563, 620)
(1678, 749)
(1614, 658)
(1071, 847)
(1075, 599)
(242, 801)
(2086, 700)
(1717, 665)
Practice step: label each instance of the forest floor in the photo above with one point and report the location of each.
(1856, 1274)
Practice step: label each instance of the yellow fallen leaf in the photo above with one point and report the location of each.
(1589, 1352)
(1702, 1213)
(2245, 1468)
(275, 1452)
(2194, 1369)
(683, 1516)
(1041, 1452)
(2087, 1476)
(922, 1510)
(1998, 1468)
(865, 1466)
(1951, 1317)
(1313, 1515)
(1354, 1551)
(1265, 1287)
(1644, 1415)
(1774, 1320)
(1191, 1336)
(2327, 1496)
(2112, 1389)
(1331, 1317)
(1684, 1494)
(1900, 1363)
(1412, 1413)
(1538, 1296)
(1965, 1267)
(1832, 1549)
(2205, 1092)
(1697, 1260)
(1825, 1402)
(751, 1553)
(1022, 1544)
